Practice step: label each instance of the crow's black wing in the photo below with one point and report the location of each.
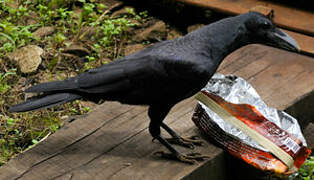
(142, 80)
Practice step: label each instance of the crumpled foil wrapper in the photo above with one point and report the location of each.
(238, 91)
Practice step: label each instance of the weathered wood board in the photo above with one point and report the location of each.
(284, 16)
(290, 18)
(280, 77)
(306, 43)
(112, 142)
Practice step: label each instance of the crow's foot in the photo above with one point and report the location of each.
(190, 158)
(188, 142)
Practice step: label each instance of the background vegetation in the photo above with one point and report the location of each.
(89, 25)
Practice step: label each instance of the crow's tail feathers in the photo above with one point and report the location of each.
(53, 86)
(44, 101)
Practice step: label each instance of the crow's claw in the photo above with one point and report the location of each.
(188, 142)
(191, 158)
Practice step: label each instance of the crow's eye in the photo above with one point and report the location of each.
(266, 25)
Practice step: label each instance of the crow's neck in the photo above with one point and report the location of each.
(222, 38)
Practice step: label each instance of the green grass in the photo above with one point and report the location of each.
(306, 172)
(4, 86)
(71, 19)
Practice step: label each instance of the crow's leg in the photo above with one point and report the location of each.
(157, 115)
(182, 141)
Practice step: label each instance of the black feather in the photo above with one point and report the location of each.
(53, 86)
(46, 101)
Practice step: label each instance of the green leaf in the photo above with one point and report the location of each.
(34, 141)
(10, 122)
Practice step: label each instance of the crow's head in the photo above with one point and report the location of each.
(261, 30)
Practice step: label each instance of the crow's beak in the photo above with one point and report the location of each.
(282, 40)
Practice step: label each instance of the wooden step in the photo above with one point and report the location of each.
(297, 22)
(112, 141)
(284, 16)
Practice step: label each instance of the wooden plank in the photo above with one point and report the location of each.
(280, 77)
(98, 142)
(137, 159)
(306, 43)
(284, 16)
(112, 142)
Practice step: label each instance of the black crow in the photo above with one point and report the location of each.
(164, 74)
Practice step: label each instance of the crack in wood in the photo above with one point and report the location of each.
(259, 72)
(116, 172)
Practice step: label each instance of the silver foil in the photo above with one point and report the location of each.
(238, 91)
